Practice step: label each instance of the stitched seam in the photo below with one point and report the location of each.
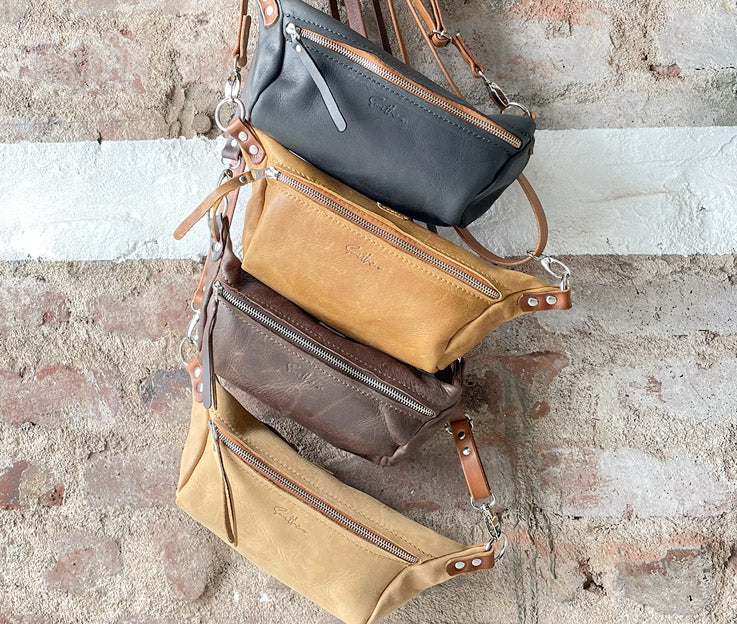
(462, 262)
(402, 93)
(286, 345)
(353, 358)
(329, 496)
(324, 212)
(266, 483)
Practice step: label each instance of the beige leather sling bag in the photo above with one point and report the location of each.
(339, 547)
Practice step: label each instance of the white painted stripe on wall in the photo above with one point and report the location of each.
(620, 191)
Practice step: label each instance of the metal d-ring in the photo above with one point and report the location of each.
(241, 109)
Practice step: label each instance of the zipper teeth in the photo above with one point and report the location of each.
(415, 89)
(332, 513)
(395, 240)
(327, 356)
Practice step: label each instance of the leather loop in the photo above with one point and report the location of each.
(470, 563)
(244, 29)
(251, 147)
(211, 200)
(553, 299)
(542, 231)
(473, 469)
(195, 377)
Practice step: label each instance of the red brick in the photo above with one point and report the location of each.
(84, 563)
(29, 302)
(680, 582)
(167, 393)
(539, 409)
(10, 485)
(571, 475)
(88, 66)
(163, 305)
(145, 479)
(666, 71)
(534, 368)
(186, 560)
(43, 397)
(23, 484)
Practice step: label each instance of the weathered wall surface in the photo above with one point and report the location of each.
(609, 430)
(143, 69)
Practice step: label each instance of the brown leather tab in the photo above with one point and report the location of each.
(250, 145)
(211, 200)
(195, 377)
(542, 231)
(471, 464)
(470, 563)
(473, 64)
(269, 11)
(555, 299)
(241, 40)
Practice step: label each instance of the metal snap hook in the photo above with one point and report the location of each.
(547, 263)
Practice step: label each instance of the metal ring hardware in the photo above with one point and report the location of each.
(497, 95)
(547, 262)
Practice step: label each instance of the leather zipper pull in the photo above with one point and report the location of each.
(228, 511)
(327, 97)
(213, 199)
(209, 392)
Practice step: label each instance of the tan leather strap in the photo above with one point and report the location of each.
(473, 469)
(231, 201)
(398, 31)
(542, 231)
(212, 200)
(239, 52)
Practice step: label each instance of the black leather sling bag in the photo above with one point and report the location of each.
(337, 100)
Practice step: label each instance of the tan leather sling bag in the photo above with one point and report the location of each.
(342, 549)
(365, 270)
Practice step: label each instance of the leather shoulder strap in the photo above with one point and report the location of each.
(542, 231)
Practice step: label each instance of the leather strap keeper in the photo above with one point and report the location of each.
(473, 469)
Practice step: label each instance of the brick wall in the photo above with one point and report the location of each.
(609, 430)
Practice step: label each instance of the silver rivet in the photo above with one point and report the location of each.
(253, 149)
(460, 565)
(242, 179)
(233, 142)
(298, 48)
(216, 246)
(243, 136)
(199, 387)
(461, 435)
(476, 562)
(532, 302)
(551, 299)
(197, 371)
(269, 10)
(466, 451)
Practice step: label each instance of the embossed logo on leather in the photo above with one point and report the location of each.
(389, 109)
(365, 258)
(283, 513)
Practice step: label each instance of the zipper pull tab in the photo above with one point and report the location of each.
(228, 510)
(209, 388)
(327, 97)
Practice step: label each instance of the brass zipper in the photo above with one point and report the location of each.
(285, 484)
(381, 69)
(349, 213)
